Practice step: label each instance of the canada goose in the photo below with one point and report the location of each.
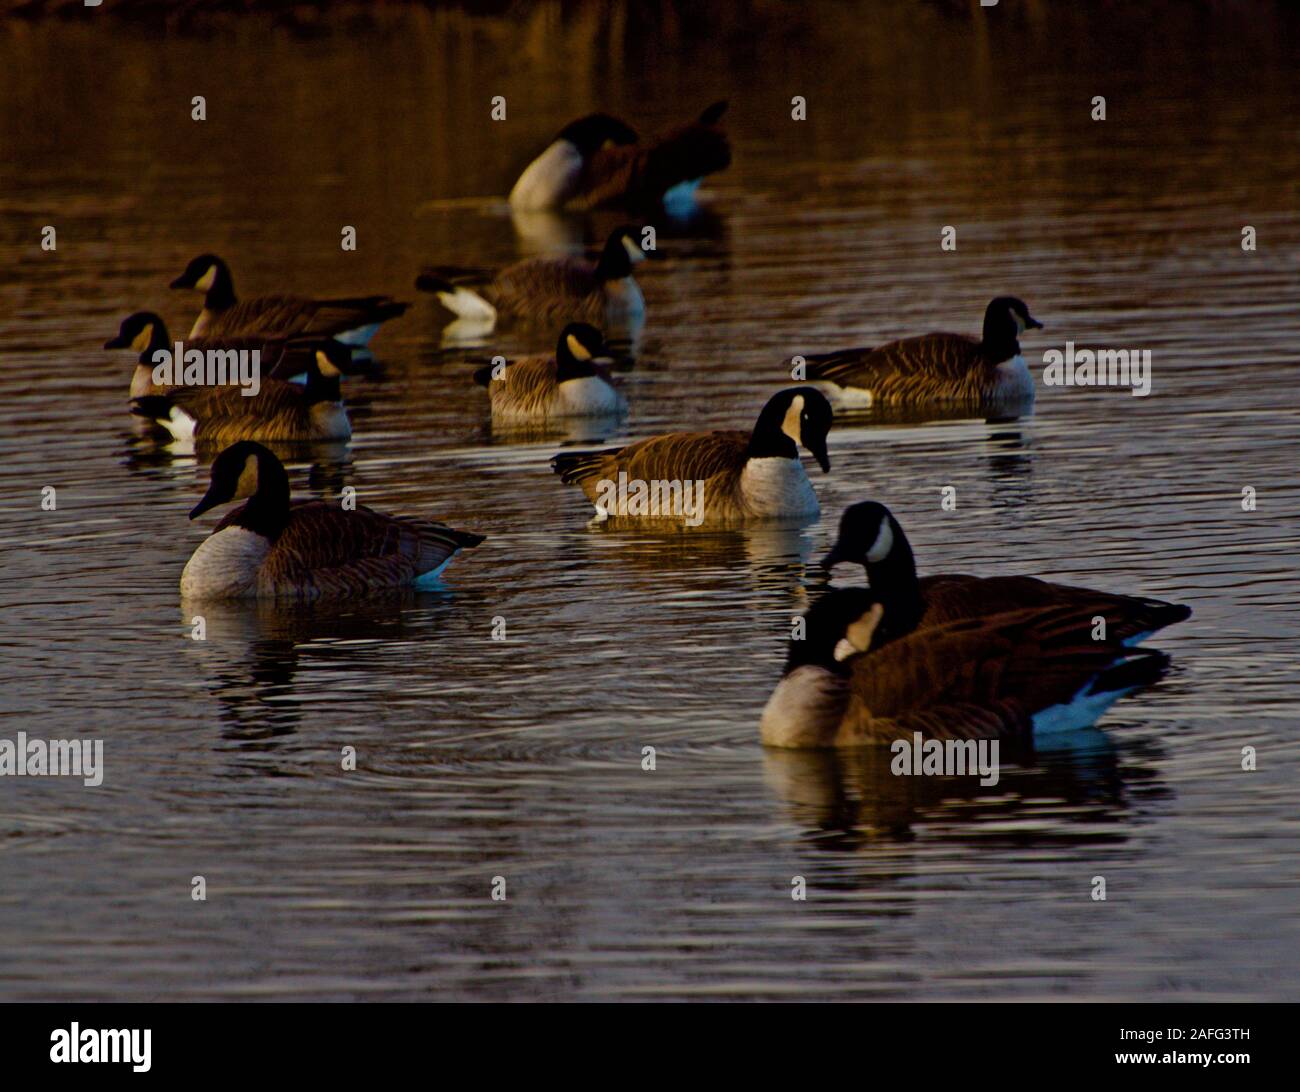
(572, 383)
(279, 411)
(1006, 677)
(731, 475)
(936, 368)
(871, 536)
(597, 160)
(548, 290)
(269, 546)
(145, 333)
(351, 321)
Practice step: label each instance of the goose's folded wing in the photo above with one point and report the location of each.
(1016, 663)
(333, 548)
(213, 406)
(953, 596)
(682, 456)
(283, 316)
(530, 381)
(938, 359)
(523, 284)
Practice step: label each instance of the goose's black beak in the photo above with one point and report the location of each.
(833, 558)
(1032, 323)
(182, 282)
(817, 448)
(208, 502)
(118, 342)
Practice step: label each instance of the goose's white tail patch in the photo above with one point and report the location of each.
(431, 577)
(681, 197)
(1081, 711)
(359, 336)
(468, 305)
(549, 180)
(843, 398)
(180, 424)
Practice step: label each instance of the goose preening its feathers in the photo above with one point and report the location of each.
(856, 679)
(278, 412)
(548, 290)
(731, 475)
(352, 321)
(986, 374)
(272, 547)
(870, 535)
(573, 383)
(145, 333)
(598, 160)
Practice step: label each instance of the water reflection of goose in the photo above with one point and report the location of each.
(846, 800)
(766, 558)
(254, 651)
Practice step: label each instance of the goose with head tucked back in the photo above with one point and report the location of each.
(352, 320)
(552, 291)
(277, 412)
(743, 476)
(272, 547)
(871, 536)
(598, 160)
(987, 374)
(859, 677)
(574, 382)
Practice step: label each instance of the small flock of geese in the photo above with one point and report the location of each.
(949, 656)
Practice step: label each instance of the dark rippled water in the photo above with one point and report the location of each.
(522, 759)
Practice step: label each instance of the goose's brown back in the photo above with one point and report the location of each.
(929, 368)
(975, 678)
(328, 550)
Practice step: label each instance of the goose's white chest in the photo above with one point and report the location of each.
(330, 421)
(587, 397)
(1015, 382)
(804, 709)
(225, 566)
(623, 298)
(778, 487)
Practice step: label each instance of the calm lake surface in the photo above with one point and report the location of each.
(522, 758)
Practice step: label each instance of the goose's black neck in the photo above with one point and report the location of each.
(895, 584)
(158, 339)
(1001, 337)
(614, 262)
(221, 296)
(568, 366)
(321, 388)
(266, 512)
(769, 440)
